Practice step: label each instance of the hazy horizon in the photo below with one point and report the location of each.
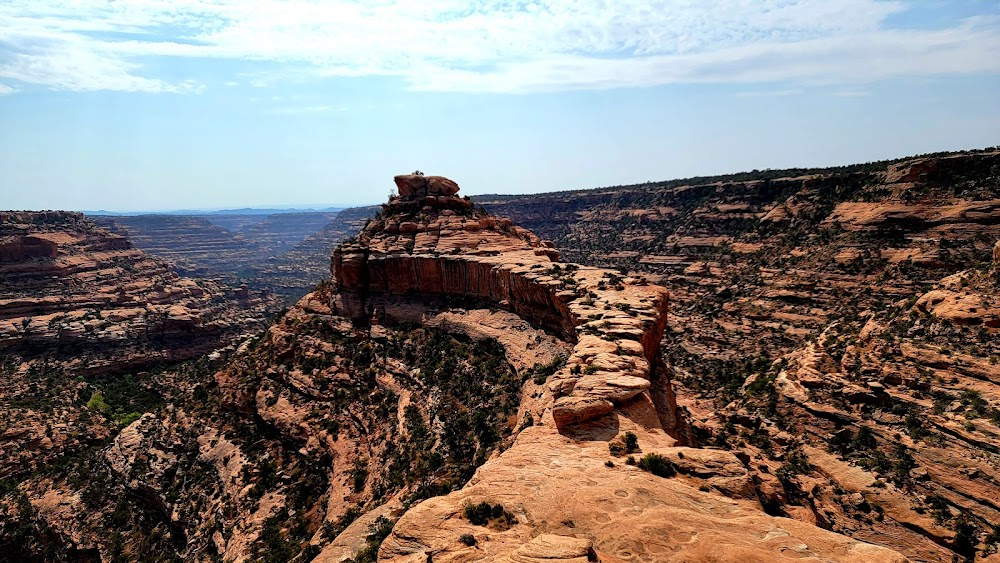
(329, 208)
(198, 105)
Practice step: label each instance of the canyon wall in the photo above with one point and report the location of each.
(64, 280)
(551, 488)
(283, 253)
(78, 303)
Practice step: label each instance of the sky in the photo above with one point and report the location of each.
(183, 104)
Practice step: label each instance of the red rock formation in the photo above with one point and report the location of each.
(611, 383)
(420, 246)
(64, 279)
(851, 303)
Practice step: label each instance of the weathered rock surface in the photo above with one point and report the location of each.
(612, 382)
(421, 247)
(64, 280)
(78, 303)
(838, 358)
(568, 505)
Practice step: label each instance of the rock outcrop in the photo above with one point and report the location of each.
(837, 325)
(568, 505)
(430, 243)
(458, 393)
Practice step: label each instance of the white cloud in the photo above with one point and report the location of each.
(492, 46)
(4, 90)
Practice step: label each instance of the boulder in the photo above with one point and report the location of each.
(574, 410)
(417, 186)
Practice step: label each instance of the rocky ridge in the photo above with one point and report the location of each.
(840, 371)
(455, 393)
(429, 243)
(422, 246)
(65, 280)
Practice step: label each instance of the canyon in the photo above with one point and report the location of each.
(80, 307)
(776, 365)
(284, 254)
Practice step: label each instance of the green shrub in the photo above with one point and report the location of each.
(377, 532)
(631, 442)
(359, 475)
(97, 404)
(657, 465)
(486, 514)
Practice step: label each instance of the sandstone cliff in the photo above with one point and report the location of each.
(64, 280)
(430, 252)
(455, 393)
(429, 243)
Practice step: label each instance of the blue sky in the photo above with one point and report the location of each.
(171, 104)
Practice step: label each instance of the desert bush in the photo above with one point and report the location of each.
(657, 465)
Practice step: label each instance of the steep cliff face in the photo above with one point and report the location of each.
(454, 393)
(549, 497)
(431, 243)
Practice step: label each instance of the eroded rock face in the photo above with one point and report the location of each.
(616, 322)
(960, 307)
(568, 505)
(414, 185)
(286, 253)
(78, 302)
(63, 280)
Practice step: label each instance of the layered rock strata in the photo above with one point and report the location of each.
(64, 280)
(284, 253)
(880, 278)
(430, 242)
